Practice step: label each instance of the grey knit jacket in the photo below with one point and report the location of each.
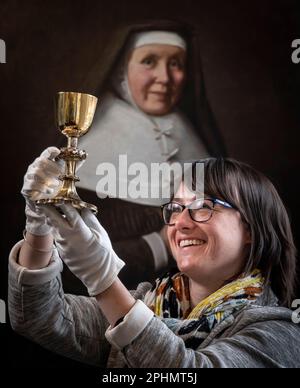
(260, 336)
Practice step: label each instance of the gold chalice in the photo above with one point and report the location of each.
(75, 113)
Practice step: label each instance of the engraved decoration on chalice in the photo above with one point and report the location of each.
(75, 113)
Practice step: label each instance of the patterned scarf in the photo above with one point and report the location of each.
(170, 300)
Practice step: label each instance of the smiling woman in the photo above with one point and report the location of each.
(222, 306)
(211, 247)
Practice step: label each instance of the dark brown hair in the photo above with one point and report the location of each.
(261, 208)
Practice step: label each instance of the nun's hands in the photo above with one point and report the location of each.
(85, 247)
(41, 181)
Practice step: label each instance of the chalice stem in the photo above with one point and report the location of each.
(71, 168)
(72, 142)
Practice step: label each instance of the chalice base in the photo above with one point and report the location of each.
(77, 203)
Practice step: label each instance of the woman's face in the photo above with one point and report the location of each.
(156, 75)
(211, 252)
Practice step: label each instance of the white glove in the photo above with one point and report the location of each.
(41, 181)
(83, 244)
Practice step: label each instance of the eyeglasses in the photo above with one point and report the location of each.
(200, 210)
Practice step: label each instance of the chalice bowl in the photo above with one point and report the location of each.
(75, 113)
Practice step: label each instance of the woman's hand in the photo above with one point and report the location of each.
(41, 181)
(84, 246)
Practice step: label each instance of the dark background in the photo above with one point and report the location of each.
(251, 82)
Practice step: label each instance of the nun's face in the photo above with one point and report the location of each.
(156, 75)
